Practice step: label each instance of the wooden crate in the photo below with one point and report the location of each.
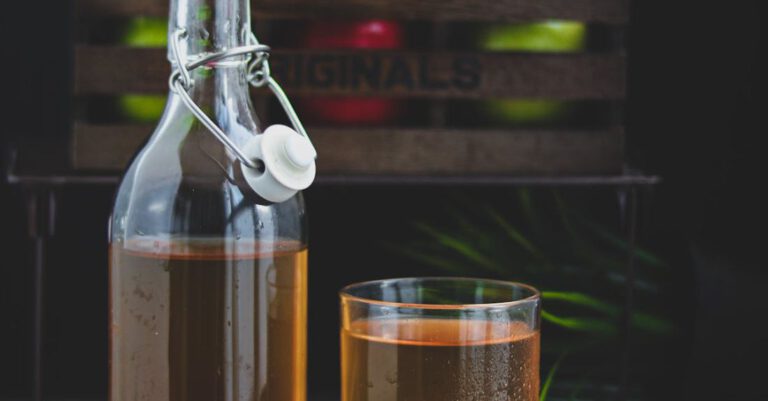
(437, 76)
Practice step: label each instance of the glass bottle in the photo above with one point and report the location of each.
(208, 281)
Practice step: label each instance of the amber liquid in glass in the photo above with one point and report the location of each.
(439, 360)
(208, 321)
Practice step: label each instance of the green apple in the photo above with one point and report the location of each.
(146, 33)
(524, 111)
(142, 108)
(547, 36)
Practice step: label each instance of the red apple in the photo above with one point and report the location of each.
(368, 34)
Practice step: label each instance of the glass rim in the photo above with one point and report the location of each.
(535, 295)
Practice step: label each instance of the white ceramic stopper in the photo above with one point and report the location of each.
(289, 163)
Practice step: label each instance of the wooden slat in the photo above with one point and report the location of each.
(111, 70)
(607, 11)
(106, 147)
(121, 8)
(446, 151)
(405, 151)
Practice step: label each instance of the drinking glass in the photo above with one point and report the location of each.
(436, 339)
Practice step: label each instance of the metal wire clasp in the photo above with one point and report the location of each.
(259, 75)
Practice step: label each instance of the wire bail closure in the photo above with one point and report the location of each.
(258, 75)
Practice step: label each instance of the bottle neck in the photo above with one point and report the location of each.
(211, 25)
(220, 89)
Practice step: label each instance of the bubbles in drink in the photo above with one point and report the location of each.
(429, 359)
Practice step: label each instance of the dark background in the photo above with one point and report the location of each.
(694, 117)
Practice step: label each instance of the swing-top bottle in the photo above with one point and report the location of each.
(208, 271)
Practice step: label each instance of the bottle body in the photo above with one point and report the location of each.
(208, 324)
(208, 284)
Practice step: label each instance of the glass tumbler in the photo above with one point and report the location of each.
(415, 339)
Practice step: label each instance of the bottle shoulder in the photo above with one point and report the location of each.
(192, 206)
(184, 183)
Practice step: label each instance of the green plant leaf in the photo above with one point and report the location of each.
(463, 248)
(526, 204)
(467, 228)
(585, 300)
(562, 212)
(584, 250)
(643, 321)
(590, 325)
(550, 377)
(429, 259)
(517, 237)
(652, 324)
(613, 239)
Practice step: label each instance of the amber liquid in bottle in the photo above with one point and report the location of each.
(439, 360)
(208, 320)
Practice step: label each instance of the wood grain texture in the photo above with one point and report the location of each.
(106, 147)
(406, 152)
(113, 70)
(606, 11)
(121, 8)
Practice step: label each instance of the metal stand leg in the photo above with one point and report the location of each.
(41, 207)
(628, 198)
